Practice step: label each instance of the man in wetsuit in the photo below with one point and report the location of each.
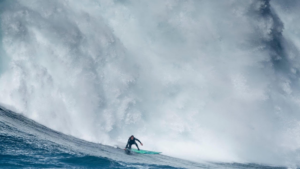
(131, 141)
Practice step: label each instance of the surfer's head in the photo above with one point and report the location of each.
(131, 137)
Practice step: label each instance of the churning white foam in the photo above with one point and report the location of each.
(193, 79)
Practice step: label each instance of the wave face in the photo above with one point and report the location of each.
(25, 143)
(217, 80)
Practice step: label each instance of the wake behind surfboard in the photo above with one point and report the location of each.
(128, 151)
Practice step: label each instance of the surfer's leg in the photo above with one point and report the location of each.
(137, 146)
(129, 146)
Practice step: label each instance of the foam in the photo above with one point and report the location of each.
(202, 77)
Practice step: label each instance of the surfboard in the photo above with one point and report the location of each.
(143, 151)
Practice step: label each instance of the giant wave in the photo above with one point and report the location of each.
(218, 80)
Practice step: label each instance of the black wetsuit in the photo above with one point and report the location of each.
(130, 142)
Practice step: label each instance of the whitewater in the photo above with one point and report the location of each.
(214, 83)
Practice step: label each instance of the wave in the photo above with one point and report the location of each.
(216, 80)
(25, 143)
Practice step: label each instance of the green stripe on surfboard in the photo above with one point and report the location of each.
(144, 151)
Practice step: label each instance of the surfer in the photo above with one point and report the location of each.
(131, 141)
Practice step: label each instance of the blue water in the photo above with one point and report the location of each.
(25, 143)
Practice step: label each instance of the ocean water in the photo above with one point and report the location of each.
(27, 144)
(215, 83)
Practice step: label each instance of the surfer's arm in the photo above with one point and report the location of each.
(139, 141)
(127, 144)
